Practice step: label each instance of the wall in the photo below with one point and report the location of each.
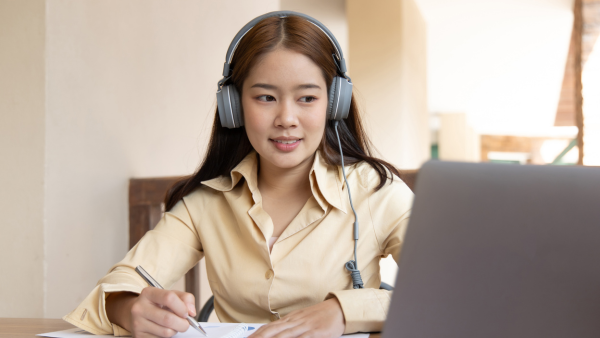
(331, 13)
(501, 62)
(22, 83)
(387, 46)
(457, 139)
(591, 106)
(131, 92)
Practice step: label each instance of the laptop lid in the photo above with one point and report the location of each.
(498, 250)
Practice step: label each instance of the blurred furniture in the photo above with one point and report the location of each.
(529, 146)
(584, 36)
(410, 178)
(146, 206)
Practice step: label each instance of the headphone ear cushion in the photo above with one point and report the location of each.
(345, 97)
(340, 97)
(331, 100)
(228, 103)
(236, 107)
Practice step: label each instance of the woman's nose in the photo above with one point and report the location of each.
(286, 115)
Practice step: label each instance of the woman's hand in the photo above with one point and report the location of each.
(154, 313)
(325, 319)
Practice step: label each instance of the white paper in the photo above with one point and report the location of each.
(214, 330)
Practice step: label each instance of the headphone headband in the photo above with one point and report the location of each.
(282, 14)
(340, 89)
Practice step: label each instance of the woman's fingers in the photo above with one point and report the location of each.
(167, 319)
(167, 298)
(160, 313)
(161, 316)
(147, 329)
(271, 329)
(189, 300)
(325, 319)
(289, 329)
(292, 332)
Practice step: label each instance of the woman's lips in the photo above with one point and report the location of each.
(286, 145)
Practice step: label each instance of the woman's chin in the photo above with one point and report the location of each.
(288, 160)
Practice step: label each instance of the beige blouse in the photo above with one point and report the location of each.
(224, 222)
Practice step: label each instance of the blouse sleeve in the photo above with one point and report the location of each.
(167, 252)
(365, 310)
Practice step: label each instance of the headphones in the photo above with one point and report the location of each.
(228, 97)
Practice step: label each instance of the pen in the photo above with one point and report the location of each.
(155, 284)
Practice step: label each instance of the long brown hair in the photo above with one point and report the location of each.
(227, 147)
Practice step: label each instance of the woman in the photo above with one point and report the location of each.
(268, 209)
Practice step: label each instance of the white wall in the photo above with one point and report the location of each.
(387, 46)
(22, 84)
(457, 140)
(501, 62)
(131, 92)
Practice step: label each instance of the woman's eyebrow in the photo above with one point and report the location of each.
(308, 86)
(264, 86)
(272, 87)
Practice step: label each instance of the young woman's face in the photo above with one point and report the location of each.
(284, 99)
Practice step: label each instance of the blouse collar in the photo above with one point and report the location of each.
(326, 180)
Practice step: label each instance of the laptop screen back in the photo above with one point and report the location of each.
(496, 250)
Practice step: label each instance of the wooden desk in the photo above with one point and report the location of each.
(29, 327)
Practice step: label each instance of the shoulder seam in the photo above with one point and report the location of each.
(192, 225)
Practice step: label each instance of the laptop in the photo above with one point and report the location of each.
(500, 250)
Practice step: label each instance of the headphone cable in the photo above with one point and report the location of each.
(351, 265)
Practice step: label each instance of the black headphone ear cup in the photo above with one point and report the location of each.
(331, 100)
(236, 107)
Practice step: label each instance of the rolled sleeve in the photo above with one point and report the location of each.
(120, 332)
(91, 315)
(364, 310)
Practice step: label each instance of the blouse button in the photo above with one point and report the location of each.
(269, 274)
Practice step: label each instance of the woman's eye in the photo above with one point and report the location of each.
(308, 99)
(266, 98)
